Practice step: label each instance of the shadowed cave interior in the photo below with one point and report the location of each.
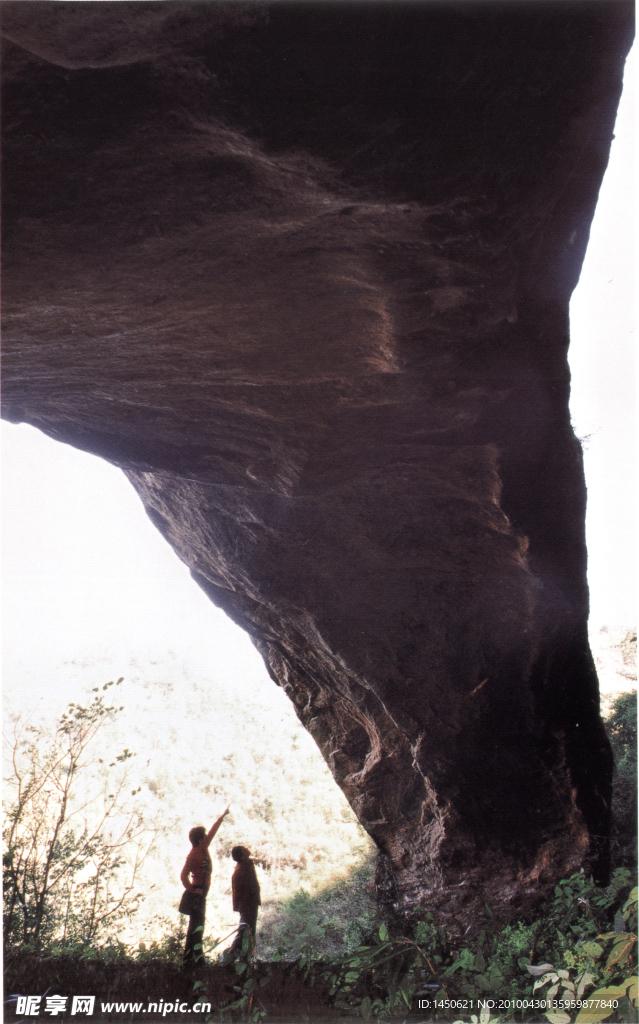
(302, 271)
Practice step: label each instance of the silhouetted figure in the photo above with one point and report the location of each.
(196, 879)
(246, 896)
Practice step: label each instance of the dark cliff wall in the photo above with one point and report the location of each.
(302, 271)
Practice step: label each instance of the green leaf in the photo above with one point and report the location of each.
(583, 982)
(240, 968)
(610, 991)
(539, 969)
(366, 1006)
(543, 981)
(383, 933)
(557, 1017)
(594, 1014)
(236, 1005)
(620, 950)
(480, 963)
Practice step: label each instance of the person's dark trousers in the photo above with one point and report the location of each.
(193, 936)
(248, 919)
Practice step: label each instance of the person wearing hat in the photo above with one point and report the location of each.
(196, 879)
(246, 896)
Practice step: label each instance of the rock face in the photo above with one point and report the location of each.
(303, 272)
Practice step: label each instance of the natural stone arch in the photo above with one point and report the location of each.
(303, 273)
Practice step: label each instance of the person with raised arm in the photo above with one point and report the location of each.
(196, 879)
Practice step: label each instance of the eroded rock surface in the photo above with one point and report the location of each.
(303, 272)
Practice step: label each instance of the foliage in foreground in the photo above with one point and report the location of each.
(583, 947)
(329, 923)
(528, 971)
(621, 726)
(74, 840)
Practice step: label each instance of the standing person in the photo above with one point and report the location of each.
(196, 879)
(246, 895)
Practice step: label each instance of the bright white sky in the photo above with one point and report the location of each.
(602, 361)
(91, 587)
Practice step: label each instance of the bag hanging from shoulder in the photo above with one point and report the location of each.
(190, 902)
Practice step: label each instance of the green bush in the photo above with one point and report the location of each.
(74, 840)
(567, 953)
(332, 922)
(621, 725)
(583, 944)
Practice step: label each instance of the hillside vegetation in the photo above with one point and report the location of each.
(198, 747)
(167, 753)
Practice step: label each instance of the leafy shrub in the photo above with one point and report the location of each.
(332, 921)
(621, 725)
(610, 961)
(568, 952)
(584, 944)
(73, 849)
